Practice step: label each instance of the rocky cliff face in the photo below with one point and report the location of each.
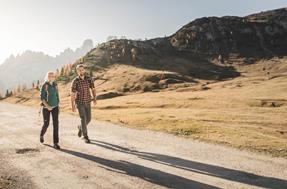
(258, 35)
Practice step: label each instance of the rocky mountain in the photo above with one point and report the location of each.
(258, 35)
(261, 35)
(31, 66)
(205, 49)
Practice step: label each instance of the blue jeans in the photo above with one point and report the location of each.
(85, 115)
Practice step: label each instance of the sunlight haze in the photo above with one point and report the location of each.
(51, 26)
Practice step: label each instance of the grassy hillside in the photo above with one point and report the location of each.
(247, 112)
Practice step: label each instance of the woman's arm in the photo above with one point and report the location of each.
(46, 105)
(73, 95)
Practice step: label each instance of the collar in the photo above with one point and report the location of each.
(85, 77)
(53, 84)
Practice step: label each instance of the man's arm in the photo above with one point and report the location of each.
(73, 103)
(94, 93)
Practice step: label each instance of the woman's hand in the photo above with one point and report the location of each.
(49, 108)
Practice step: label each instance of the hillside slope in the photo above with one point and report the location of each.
(246, 112)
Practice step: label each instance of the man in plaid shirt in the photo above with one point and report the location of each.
(81, 98)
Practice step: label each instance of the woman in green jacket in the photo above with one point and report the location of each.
(50, 100)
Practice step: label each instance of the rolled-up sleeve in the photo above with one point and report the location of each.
(43, 93)
(92, 85)
(74, 86)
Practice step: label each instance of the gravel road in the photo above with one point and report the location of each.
(120, 157)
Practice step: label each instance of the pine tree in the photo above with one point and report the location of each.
(19, 89)
(24, 87)
(65, 67)
(7, 93)
(57, 72)
(62, 71)
(38, 85)
(70, 68)
(14, 91)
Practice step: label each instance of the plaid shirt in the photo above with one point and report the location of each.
(82, 89)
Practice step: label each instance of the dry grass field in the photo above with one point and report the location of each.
(248, 112)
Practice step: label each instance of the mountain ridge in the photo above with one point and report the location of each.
(31, 66)
(209, 48)
(213, 36)
(259, 35)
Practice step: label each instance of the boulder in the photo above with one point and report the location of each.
(107, 95)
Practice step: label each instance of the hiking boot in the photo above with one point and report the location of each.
(79, 133)
(57, 147)
(41, 139)
(87, 140)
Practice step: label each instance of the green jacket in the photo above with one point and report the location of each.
(49, 92)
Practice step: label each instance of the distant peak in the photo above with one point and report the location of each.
(88, 43)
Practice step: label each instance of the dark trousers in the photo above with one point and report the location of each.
(46, 118)
(85, 115)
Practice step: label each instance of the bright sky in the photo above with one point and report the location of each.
(53, 25)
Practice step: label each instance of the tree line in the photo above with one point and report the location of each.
(63, 71)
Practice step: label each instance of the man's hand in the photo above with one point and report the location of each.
(73, 108)
(95, 101)
(95, 96)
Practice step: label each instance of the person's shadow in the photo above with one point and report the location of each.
(193, 166)
(170, 180)
(148, 174)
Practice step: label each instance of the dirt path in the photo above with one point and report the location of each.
(125, 158)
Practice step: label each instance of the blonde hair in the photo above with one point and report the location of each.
(47, 75)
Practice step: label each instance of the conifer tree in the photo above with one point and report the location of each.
(7, 93)
(62, 71)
